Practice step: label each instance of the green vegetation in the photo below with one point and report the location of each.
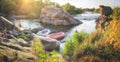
(97, 46)
(100, 46)
(116, 13)
(1, 55)
(25, 34)
(32, 8)
(72, 44)
(96, 10)
(72, 9)
(7, 6)
(44, 56)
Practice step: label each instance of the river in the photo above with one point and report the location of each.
(88, 25)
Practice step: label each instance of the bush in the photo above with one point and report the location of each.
(85, 48)
(1, 55)
(116, 13)
(44, 56)
(69, 48)
(90, 58)
(105, 45)
(26, 35)
(73, 43)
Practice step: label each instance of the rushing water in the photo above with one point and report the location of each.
(88, 25)
(28, 24)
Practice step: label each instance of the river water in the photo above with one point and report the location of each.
(88, 25)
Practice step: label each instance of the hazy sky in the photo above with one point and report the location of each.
(89, 3)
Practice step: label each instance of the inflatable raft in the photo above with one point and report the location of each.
(44, 32)
(58, 35)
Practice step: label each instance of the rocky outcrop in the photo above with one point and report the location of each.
(57, 16)
(4, 23)
(48, 43)
(16, 50)
(102, 22)
(19, 50)
(11, 55)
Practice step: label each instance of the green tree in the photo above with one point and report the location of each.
(56, 5)
(7, 6)
(72, 9)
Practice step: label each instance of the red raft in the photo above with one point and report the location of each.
(58, 35)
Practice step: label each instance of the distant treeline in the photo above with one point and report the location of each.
(33, 8)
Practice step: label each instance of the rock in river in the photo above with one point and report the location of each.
(57, 16)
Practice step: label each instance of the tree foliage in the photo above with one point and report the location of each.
(72, 9)
(32, 8)
(7, 6)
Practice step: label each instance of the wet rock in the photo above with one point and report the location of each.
(48, 43)
(35, 30)
(57, 16)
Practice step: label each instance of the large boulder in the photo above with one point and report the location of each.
(48, 43)
(57, 16)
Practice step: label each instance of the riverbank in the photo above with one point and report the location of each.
(88, 24)
(91, 42)
(100, 45)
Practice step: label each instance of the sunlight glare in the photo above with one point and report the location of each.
(25, 2)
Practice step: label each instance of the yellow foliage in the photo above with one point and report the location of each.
(116, 45)
(114, 34)
(89, 59)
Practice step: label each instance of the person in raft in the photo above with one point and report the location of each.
(105, 12)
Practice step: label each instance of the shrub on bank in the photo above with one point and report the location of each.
(105, 45)
(44, 56)
(72, 44)
(116, 13)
